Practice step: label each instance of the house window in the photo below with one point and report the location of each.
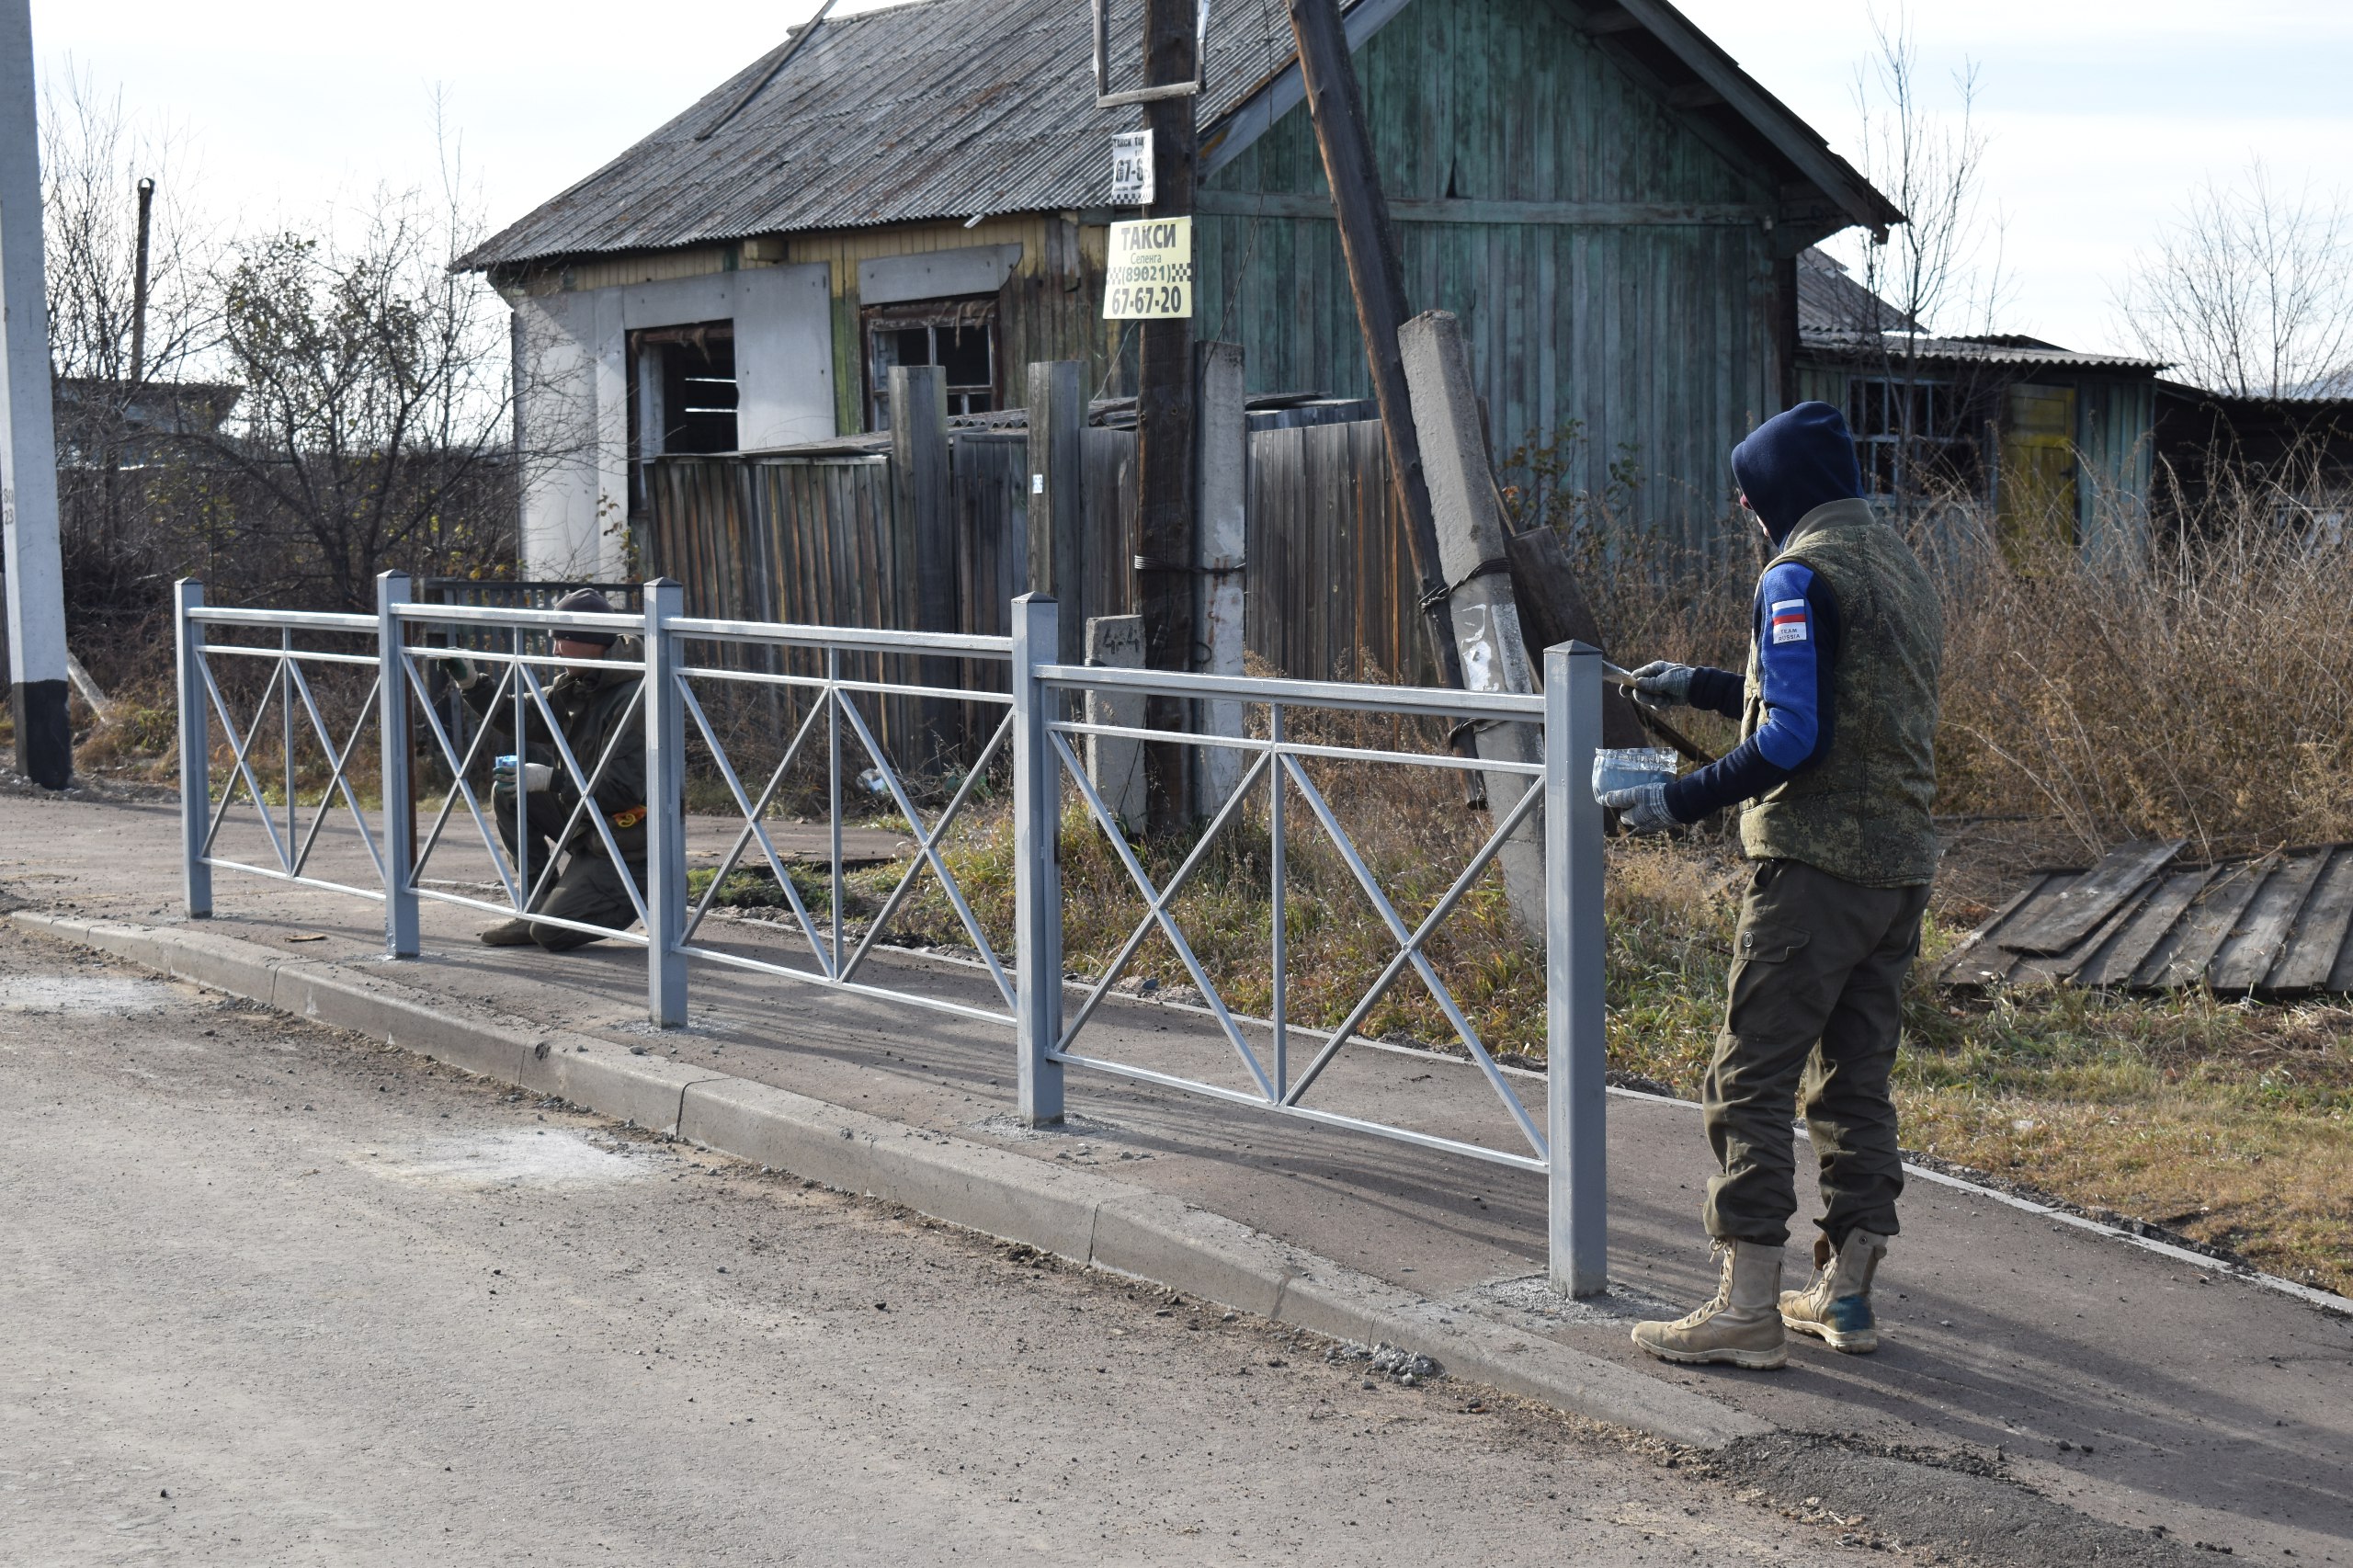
(1915, 436)
(959, 336)
(681, 397)
(684, 388)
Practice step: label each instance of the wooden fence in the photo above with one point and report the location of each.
(811, 535)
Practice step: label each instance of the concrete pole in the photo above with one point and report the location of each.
(1116, 762)
(37, 678)
(1221, 433)
(1468, 515)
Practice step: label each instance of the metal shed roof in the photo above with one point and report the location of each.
(2021, 353)
(947, 108)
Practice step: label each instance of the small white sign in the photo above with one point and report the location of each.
(1132, 169)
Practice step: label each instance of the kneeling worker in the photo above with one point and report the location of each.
(1836, 764)
(592, 704)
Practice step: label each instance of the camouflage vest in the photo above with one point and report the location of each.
(1863, 812)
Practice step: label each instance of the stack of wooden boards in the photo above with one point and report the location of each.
(2269, 925)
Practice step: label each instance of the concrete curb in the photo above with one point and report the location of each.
(1072, 1213)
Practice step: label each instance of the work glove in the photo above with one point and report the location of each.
(535, 776)
(1642, 809)
(463, 671)
(1660, 683)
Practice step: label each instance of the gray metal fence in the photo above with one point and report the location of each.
(836, 679)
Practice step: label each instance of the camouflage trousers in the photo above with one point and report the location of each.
(589, 888)
(1814, 1007)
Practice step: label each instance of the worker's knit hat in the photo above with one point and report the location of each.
(586, 601)
(1800, 459)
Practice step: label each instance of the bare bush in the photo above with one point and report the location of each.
(2206, 694)
(2249, 291)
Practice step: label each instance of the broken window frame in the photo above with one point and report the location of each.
(1945, 442)
(646, 346)
(962, 314)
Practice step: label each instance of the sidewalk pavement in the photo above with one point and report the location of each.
(2138, 1387)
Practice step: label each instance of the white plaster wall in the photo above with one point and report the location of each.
(571, 359)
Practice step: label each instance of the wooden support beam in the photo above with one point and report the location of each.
(1167, 525)
(1554, 609)
(1378, 281)
(924, 508)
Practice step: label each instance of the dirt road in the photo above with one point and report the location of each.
(277, 1296)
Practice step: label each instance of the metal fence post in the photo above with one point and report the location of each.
(1037, 874)
(196, 750)
(1576, 1068)
(665, 814)
(398, 783)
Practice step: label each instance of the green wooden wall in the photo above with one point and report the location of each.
(1656, 337)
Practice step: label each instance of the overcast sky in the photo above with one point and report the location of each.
(2102, 113)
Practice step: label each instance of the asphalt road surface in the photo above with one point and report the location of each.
(277, 1296)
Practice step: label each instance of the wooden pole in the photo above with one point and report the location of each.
(1378, 280)
(1057, 404)
(926, 521)
(1166, 545)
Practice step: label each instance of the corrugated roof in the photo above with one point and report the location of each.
(2024, 353)
(939, 109)
(943, 108)
(1831, 302)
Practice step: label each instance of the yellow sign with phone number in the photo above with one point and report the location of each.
(1150, 274)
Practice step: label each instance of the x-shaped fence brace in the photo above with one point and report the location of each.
(834, 706)
(1159, 902)
(286, 682)
(513, 871)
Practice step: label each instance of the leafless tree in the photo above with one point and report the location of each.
(1935, 268)
(2249, 290)
(92, 157)
(374, 424)
(1941, 269)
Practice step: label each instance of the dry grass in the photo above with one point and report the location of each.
(2206, 693)
(2201, 689)
(2227, 1122)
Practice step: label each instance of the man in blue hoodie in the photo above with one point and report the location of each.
(1837, 770)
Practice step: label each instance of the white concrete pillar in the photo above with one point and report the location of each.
(1221, 436)
(37, 674)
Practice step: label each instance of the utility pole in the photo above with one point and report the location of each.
(29, 454)
(138, 288)
(1165, 535)
(1370, 243)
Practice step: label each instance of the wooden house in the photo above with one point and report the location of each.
(2056, 444)
(1612, 206)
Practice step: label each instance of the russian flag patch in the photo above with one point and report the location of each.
(1788, 618)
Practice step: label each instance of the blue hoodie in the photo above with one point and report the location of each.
(1793, 463)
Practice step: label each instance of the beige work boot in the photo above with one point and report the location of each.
(507, 934)
(1739, 1324)
(1837, 1308)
